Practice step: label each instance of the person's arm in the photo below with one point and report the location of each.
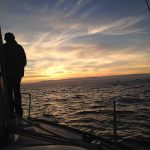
(23, 57)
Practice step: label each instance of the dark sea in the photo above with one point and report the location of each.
(89, 106)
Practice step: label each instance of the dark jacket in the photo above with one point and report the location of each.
(14, 59)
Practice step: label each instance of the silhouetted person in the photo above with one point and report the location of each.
(14, 61)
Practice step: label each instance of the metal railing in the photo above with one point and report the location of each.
(29, 107)
(115, 136)
(115, 121)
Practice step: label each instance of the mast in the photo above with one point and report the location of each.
(3, 87)
(4, 130)
(1, 70)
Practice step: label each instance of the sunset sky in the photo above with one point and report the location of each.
(79, 38)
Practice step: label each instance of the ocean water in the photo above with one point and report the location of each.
(88, 106)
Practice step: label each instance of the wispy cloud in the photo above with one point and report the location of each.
(121, 26)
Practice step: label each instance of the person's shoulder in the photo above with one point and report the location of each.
(19, 46)
(5, 45)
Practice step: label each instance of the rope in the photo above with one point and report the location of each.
(147, 3)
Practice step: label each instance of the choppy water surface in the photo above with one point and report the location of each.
(89, 106)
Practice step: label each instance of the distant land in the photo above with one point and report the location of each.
(87, 80)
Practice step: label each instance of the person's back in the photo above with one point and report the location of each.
(14, 62)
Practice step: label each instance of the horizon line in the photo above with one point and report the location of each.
(74, 78)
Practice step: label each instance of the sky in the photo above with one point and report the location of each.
(79, 38)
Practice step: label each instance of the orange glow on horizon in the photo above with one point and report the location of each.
(107, 72)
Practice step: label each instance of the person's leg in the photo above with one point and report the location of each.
(17, 97)
(10, 97)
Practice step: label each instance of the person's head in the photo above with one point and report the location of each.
(9, 37)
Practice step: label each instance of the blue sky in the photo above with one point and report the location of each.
(79, 38)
